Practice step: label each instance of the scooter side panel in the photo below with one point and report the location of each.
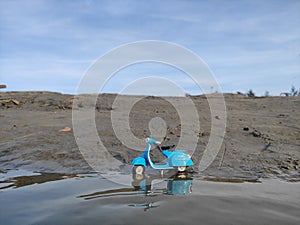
(180, 159)
(167, 153)
(189, 163)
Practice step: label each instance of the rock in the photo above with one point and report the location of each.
(286, 167)
(282, 115)
(66, 129)
(201, 134)
(256, 133)
(289, 160)
(167, 138)
(246, 128)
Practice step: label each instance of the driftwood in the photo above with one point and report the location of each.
(16, 102)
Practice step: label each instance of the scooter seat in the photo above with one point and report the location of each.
(167, 147)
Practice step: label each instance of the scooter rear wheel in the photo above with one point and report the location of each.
(138, 169)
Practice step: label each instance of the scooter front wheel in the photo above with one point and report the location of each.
(181, 168)
(138, 169)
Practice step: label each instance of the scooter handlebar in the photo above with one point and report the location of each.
(152, 141)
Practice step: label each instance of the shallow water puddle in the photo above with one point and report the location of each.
(45, 198)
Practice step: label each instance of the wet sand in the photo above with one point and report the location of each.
(262, 135)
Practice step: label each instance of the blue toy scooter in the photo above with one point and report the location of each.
(176, 159)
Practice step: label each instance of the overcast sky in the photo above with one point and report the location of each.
(49, 45)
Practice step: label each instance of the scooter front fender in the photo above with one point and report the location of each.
(139, 161)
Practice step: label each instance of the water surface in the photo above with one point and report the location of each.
(35, 198)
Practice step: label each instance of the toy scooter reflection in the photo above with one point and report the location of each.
(179, 184)
(176, 159)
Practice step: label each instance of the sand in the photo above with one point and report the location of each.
(262, 135)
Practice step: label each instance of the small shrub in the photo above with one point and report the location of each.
(294, 92)
(267, 94)
(250, 93)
